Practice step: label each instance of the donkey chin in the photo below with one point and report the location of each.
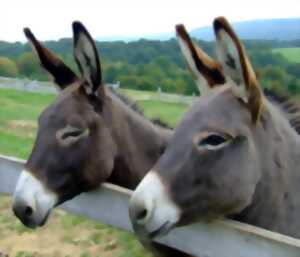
(32, 201)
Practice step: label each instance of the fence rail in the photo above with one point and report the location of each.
(43, 87)
(224, 238)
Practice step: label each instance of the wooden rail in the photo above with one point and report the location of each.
(43, 87)
(224, 238)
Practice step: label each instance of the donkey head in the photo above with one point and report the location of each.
(211, 166)
(74, 150)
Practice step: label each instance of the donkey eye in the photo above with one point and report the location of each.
(70, 135)
(74, 133)
(214, 141)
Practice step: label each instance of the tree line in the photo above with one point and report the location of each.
(150, 64)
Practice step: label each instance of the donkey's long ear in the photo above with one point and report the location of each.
(87, 58)
(206, 71)
(236, 65)
(62, 75)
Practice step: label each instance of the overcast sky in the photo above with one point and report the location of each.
(51, 19)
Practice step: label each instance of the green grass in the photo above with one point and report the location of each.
(168, 112)
(11, 144)
(135, 94)
(22, 104)
(18, 114)
(292, 54)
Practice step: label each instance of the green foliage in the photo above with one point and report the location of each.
(294, 69)
(29, 66)
(274, 73)
(8, 68)
(150, 64)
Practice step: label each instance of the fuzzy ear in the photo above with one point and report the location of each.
(236, 65)
(206, 71)
(62, 75)
(87, 58)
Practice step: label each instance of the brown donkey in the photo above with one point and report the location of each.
(87, 136)
(234, 153)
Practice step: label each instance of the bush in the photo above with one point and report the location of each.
(8, 67)
(29, 66)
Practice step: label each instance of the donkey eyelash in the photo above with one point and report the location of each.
(69, 135)
(74, 133)
(213, 141)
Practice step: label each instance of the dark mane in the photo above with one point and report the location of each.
(129, 102)
(288, 104)
(135, 107)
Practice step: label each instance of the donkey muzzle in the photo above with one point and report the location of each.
(152, 212)
(32, 202)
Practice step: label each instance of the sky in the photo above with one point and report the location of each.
(51, 19)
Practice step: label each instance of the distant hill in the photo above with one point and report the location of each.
(274, 29)
(161, 37)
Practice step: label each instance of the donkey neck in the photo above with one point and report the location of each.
(139, 142)
(276, 203)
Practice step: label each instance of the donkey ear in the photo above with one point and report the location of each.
(236, 65)
(206, 71)
(63, 76)
(87, 58)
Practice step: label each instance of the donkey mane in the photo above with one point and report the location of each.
(288, 104)
(128, 101)
(135, 107)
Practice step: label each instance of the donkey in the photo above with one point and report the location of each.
(87, 136)
(234, 154)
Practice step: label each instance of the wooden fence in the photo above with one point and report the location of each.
(43, 87)
(224, 238)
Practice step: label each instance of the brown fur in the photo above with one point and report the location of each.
(51, 63)
(251, 83)
(121, 144)
(289, 105)
(211, 70)
(254, 180)
(234, 154)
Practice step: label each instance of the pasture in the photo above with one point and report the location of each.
(292, 54)
(65, 235)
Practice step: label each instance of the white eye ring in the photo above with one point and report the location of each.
(70, 134)
(212, 141)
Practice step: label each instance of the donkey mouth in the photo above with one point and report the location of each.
(44, 221)
(162, 230)
(34, 223)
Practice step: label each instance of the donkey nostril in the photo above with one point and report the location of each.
(28, 211)
(141, 215)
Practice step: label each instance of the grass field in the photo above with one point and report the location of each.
(168, 112)
(66, 234)
(18, 115)
(292, 54)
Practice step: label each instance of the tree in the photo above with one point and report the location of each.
(8, 67)
(294, 69)
(294, 86)
(110, 73)
(29, 66)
